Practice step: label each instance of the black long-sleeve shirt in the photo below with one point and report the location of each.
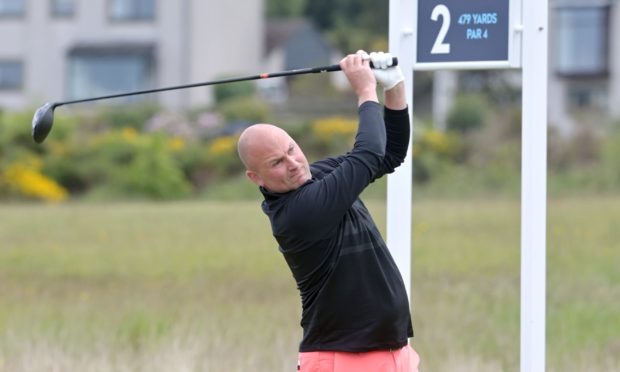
(353, 296)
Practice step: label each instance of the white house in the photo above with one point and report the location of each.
(53, 50)
(584, 60)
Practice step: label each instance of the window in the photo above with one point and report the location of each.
(131, 10)
(101, 71)
(11, 8)
(11, 75)
(585, 94)
(63, 8)
(582, 41)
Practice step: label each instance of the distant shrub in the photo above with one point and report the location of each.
(111, 157)
(334, 126)
(581, 149)
(222, 156)
(223, 146)
(153, 173)
(445, 145)
(333, 134)
(111, 150)
(193, 162)
(65, 163)
(247, 109)
(120, 163)
(224, 92)
(469, 112)
(16, 132)
(127, 115)
(433, 152)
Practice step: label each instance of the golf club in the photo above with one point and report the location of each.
(43, 118)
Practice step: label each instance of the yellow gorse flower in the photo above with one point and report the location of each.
(126, 135)
(327, 128)
(129, 133)
(26, 179)
(176, 144)
(223, 146)
(435, 141)
(439, 141)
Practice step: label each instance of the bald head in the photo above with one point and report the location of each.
(272, 158)
(254, 139)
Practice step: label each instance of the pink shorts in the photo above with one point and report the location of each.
(401, 360)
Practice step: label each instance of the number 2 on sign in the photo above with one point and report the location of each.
(440, 47)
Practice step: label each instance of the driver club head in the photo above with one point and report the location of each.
(42, 122)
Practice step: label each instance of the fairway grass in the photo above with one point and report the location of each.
(201, 286)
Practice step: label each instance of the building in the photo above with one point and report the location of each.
(294, 43)
(584, 60)
(54, 50)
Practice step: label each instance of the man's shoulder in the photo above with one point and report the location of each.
(325, 165)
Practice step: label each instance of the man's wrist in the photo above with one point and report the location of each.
(367, 96)
(396, 98)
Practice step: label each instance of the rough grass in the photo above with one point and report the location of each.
(200, 286)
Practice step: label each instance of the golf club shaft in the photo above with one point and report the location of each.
(310, 70)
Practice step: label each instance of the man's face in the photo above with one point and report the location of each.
(277, 162)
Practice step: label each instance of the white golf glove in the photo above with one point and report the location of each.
(386, 74)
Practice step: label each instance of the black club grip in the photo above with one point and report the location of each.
(394, 62)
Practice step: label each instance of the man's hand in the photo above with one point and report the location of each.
(386, 74)
(361, 78)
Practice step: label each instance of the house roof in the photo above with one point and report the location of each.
(279, 31)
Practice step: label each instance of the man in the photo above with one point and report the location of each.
(355, 309)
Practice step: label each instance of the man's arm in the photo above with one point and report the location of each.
(315, 209)
(397, 128)
(396, 98)
(396, 115)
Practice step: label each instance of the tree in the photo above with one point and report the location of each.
(352, 24)
(285, 8)
(348, 24)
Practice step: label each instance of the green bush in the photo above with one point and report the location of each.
(127, 115)
(65, 163)
(193, 161)
(469, 112)
(153, 173)
(249, 109)
(334, 134)
(16, 132)
(222, 156)
(118, 163)
(101, 157)
(434, 153)
(224, 92)
(581, 149)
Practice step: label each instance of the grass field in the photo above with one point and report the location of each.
(200, 286)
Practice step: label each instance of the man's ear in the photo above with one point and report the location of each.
(254, 177)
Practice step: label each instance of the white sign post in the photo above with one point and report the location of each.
(399, 188)
(482, 34)
(534, 185)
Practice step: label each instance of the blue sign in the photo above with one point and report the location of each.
(463, 31)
